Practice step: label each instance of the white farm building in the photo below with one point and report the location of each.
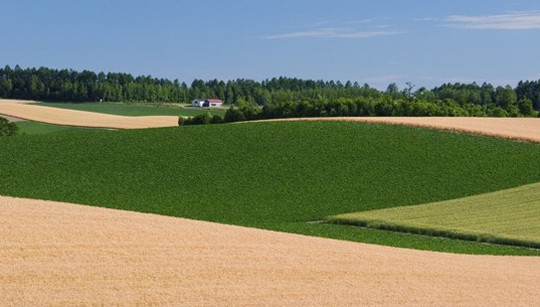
(206, 103)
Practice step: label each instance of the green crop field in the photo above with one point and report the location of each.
(128, 109)
(510, 216)
(282, 176)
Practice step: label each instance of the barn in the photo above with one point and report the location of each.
(207, 103)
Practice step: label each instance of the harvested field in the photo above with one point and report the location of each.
(35, 112)
(526, 129)
(58, 253)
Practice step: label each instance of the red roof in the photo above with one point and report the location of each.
(215, 100)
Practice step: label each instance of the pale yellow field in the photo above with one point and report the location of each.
(64, 254)
(35, 112)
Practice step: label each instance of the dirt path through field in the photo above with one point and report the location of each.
(66, 254)
(35, 112)
(526, 129)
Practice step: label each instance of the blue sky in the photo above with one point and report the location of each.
(424, 42)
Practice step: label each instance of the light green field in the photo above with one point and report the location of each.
(133, 109)
(509, 216)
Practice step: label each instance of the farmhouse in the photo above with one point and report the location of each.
(206, 103)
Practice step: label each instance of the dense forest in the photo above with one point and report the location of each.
(279, 97)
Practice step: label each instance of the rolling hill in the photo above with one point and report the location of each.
(280, 176)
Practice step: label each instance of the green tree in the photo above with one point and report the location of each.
(6, 85)
(505, 96)
(525, 106)
(392, 88)
(499, 112)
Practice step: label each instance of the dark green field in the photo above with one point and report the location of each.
(271, 175)
(129, 109)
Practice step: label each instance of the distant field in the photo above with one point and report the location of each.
(281, 176)
(515, 128)
(509, 216)
(31, 128)
(39, 113)
(127, 109)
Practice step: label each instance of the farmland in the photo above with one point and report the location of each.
(507, 217)
(240, 153)
(279, 176)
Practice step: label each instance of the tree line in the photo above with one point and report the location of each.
(359, 107)
(276, 97)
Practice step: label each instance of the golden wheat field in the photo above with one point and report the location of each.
(66, 254)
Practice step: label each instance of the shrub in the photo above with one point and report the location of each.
(202, 119)
(7, 128)
(216, 119)
(234, 115)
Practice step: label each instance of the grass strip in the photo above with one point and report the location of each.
(508, 217)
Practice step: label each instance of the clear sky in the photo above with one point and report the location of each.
(425, 42)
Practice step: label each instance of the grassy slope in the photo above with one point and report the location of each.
(127, 109)
(31, 128)
(270, 175)
(508, 216)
